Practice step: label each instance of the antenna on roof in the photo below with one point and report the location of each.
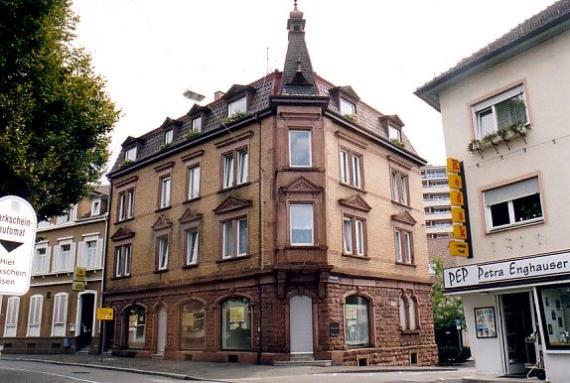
(190, 94)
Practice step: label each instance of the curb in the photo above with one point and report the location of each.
(395, 369)
(114, 368)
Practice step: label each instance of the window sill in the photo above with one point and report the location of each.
(160, 271)
(516, 225)
(401, 204)
(410, 332)
(364, 257)
(191, 200)
(485, 144)
(352, 187)
(121, 277)
(303, 169)
(124, 220)
(234, 258)
(162, 209)
(233, 187)
(193, 266)
(305, 247)
(406, 264)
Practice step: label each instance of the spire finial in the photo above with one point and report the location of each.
(295, 4)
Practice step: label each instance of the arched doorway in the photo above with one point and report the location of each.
(162, 325)
(135, 318)
(85, 319)
(301, 324)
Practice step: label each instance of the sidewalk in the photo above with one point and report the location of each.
(199, 370)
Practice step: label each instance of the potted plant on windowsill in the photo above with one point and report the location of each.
(350, 117)
(192, 133)
(235, 117)
(127, 163)
(474, 146)
(398, 143)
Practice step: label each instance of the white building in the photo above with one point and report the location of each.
(505, 115)
(436, 201)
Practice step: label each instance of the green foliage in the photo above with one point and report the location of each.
(446, 309)
(350, 117)
(397, 142)
(55, 117)
(235, 117)
(192, 133)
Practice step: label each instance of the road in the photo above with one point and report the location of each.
(35, 372)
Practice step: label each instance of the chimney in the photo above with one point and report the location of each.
(218, 94)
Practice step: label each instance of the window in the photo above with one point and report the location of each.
(67, 216)
(126, 204)
(555, 313)
(192, 326)
(236, 324)
(402, 313)
(12, 311)
(193, 182)
(168, 137)
(192, 239)
(300, 148)
(501, 112)
(64, 257)
(347, 107)
(59, 321)
(242, 171)
(91, 252)
(234, 237)
(403, 245)
(412, 317)
(235, 175)
(35, 315)
(351, 168)
(408, 313)
(237, 106)
(197, 124)
(301, 221)
(399, 184)
(131, 154)
(228, 171)
(162, 252)
(394, 133)
(123, 255)
(41, 259)
(513, 204)
(96, 206)
(136, 321)
(353, 236)
(356, 322)
(165, 183)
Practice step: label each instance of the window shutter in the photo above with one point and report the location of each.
(99, 253)
(56, 258)
(71, 264)
(512, 191)
(81, 254)
(47, 260)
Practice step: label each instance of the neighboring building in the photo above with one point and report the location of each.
(436, 201)
(508, 102)
(51, 318)
(282, 220)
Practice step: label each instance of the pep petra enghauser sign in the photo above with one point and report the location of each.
(516, 269)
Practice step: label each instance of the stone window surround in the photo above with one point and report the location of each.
(351, 152)
(123, 187)
(304, 128)
(186, 228)
(191, 161)
(158, 235)
(231, 216)
(234, 145)
(347, 213)
(406, 298)
(371, 317)
(409, 230)
(179, 308)
(164, 171)
(316, 220)
(117, 245)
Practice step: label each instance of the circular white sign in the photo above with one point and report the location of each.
(18, 225)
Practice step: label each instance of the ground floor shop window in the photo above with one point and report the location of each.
(192, 329)
(356, 321)
(555, 307)
(137, 324)
(236, 324)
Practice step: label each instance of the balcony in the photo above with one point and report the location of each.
(439, 229)
(437, 202)
(437, 216)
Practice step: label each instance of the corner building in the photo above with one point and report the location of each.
(280, 222)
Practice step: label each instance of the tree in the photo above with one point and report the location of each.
(446, 309)
(55, 117)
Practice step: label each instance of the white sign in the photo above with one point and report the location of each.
(18, 224)
(539, 266)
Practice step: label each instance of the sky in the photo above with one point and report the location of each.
(151, 51)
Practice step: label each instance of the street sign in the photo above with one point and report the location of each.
(456, 198)
(78, 286)
(18, 224)
(453, 165)
(79, 274)
(459, 232)
(458, 249)
(457, 215)
(105, 313)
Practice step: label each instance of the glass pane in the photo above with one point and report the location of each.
(228, 241)
(300, 147)
(302, 224)
(394, 184)
(128, 252)
(346, 107)
(394, 133)
(192, 248)
(228, 171)
(163, 253)
(347, 236)
(356, 171)
(237, 106)
(500, 214)
(511, 112)
(412, 313)
(242, 167)
(168, 136)
(136, 325)
(236, 326)
(242, 236)
(356, 321)
(556, 313)
(359, 237)
(197, 124)
(192, 326)
(485, 122)
(402, 313)
(527, 208)
(397, 246)
(344, 167)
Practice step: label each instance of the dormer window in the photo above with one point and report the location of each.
(168, 136)
(96, 206)
(131, 154)
(394, 133)
(347, 107)
(197, 124)
(237, 106)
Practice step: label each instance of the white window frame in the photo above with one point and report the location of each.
(310, 133)
(234, 225)
(312, 242)
(226, 240)
(401, 235)
(11, 319)
(347, 243)
(399, 184)
(356, 171)
(165, 191)
(359, 235)
(58, 265)
(131, 154)
(46, 261)
(168, 136)
(126, 204)
(96, 206)
(192, 252)
(95, 262)
(347, 107)
(489, 104)
(242, 166)
(228, 170)
(197, 124)
(237, 106)
(394, 133)
(163, 253)
(35, 316)
(63, 310)
(194, 177)
(238, 236)
(123, 254)
(344, 166)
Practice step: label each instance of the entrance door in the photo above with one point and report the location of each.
(162, 325)
(518, 324)
(86, 324)
(301, 324)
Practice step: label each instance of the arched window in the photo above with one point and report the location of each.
(402, 307)
(192, 325)
(136, 323)
(412, 314)
(356, 321)
(236, 324)
(35, 315)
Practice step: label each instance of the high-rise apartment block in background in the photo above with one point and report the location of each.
(437, 206)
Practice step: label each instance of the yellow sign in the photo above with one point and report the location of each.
(457, 215)
(454, 181)
(237, 314)
(458, 249)
(456, 198)
(188, 319)
(105, 313)
(78, 286)
(459, 232)
(453, 166)
(79, 274)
